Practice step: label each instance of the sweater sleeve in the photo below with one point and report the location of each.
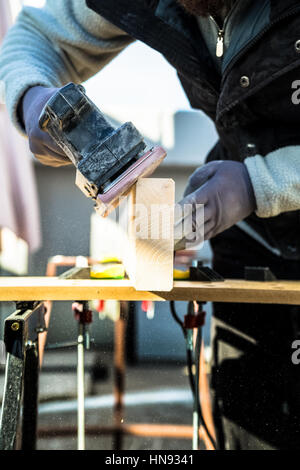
(62, 42)
(276, 181)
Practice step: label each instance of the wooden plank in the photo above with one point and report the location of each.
(47, 288)
(144, 240)
(151, 234)
(76, 273)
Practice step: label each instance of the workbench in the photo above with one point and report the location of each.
(41, 288)
(24, 326)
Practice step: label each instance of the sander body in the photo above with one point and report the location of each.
(109, 161)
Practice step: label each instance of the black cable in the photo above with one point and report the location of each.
(197, 402)
(190, 362)
(176, 317)
(197, 394)
(189, 353)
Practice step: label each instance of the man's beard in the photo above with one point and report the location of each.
(203, 7)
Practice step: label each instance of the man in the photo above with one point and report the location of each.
(238, 61)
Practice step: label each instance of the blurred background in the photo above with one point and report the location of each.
(150, 96)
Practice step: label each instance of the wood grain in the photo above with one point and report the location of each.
(151, 234)
(45, 288)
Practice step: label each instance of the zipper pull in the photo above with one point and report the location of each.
(220, 44)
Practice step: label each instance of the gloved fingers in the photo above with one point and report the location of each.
(58, 153)
(189, 229)
(52, 159)
(195, 230)
(191, 219)
(214, 228)
(60, 157)
(198, 197)
(209, 230)
(208, 213)
(48, 156)
(190, 239)
(39, 139)
(201, 176)
(50, 144)
(188, 218)
(48, 153)
(46, 150)
(201, 197)
(40, 143)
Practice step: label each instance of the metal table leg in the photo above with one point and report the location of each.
(80, 390)
(84, 316)
(22, 330)
(11, 406)
(119, 373)
(30, 399)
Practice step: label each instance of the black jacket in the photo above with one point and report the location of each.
(251, 103)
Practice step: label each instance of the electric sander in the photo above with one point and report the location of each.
(108, 161)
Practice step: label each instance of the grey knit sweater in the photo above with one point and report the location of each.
(65, 41)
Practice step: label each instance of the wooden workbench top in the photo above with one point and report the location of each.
(52, 288)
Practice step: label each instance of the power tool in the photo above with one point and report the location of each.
(109, 161)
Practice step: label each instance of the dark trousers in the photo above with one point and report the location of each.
(255, 385)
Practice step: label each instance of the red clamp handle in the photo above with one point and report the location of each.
(81, 313)
(194, 321)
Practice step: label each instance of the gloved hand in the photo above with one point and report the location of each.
(40, 143)
(225, 190)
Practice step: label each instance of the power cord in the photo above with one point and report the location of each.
(193, 359)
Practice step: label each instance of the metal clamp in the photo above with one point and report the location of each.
(22, 330)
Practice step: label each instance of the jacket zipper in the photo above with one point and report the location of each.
(220, 40)
(247, 47)
(258, 38)
(221, 31)
(220, 43)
